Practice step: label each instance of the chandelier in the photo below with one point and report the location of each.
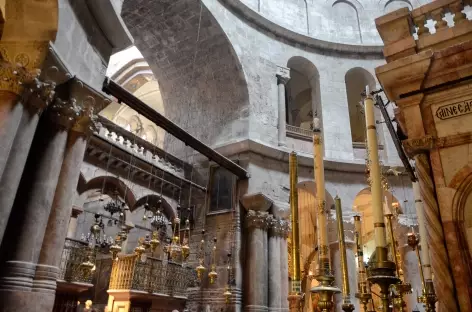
(115, 205)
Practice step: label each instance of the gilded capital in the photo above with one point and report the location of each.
(86, 123)
(258, 219)
(280, 227)
(14, 78)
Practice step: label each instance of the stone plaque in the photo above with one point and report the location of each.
(454, 110)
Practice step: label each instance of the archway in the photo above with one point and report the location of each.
(110, 185)
(356, 80)
(303, 93)
(196, 67)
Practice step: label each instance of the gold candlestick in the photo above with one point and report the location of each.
(347, 305)
(429, 294)
(401, 288)
(324, 275)
(295, 294)
(381, 270)
(363, 289)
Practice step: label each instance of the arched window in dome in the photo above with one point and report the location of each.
(150, 134)
(346, 18)
(356, 81)
(393, 5)
(303, 93)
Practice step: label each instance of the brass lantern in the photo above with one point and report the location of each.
(154, 242)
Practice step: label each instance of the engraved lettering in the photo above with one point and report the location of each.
(454, 110)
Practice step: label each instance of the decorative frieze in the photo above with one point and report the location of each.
(258, 219)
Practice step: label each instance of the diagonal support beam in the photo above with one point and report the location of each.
(112, 88)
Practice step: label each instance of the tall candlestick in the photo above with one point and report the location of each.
(295, 296)
(376, 187)
(363, 289)
(347, 305)
(429, 294)
(323, 274)
(293, 163)
(381, 270)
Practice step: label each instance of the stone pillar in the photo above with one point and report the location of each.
(72, 229)
(49, 262)
(37, 97)
(28, 220)
(278, 232)
(352, 272)
(283, 75)
(14, 79)
(443, 283)
(256, 270)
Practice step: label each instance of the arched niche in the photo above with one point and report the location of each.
(303, 92)
(356, 81)
(110, 185)
(152, 201)
(346, 17)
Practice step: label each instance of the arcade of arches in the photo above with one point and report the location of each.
(145, 145)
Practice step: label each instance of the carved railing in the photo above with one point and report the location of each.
(152, 276)
(139, 147)
(299, 132)
(75, 253)
(407, 32)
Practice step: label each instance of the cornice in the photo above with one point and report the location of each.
(263, 23)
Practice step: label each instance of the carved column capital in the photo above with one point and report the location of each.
(87, 122)
(258, 219)
(39, 95)
(14, 77)
(280, 227)
(64, 113)
(283, 75)
(256, 201)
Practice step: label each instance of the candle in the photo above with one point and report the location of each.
(376, 188)
(425, 259)
(293, 172)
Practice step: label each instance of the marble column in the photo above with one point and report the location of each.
(12, 84)
(36, 98)
(283, 76)
(49, 262)
(352, 272)
(28, 220)
(256, 270)
(279, 230)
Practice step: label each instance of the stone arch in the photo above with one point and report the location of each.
(27, 27)
(195, 65)
(136, 125)
(81, 184)
(356, 79)
(152, 200)
(346, 16)
(461, 184)
(392, 5)
(109, 185)
(305, 79)
(150, 134)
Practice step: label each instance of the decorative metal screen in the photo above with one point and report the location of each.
(75, 253)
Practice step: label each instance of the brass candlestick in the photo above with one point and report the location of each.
(363, 290)
(381, 270)
(401, 288)
(428, 297)
(295, 295)
(347, 305)
(323, 274)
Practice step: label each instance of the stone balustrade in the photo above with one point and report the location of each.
(432, 26)
(139, 151)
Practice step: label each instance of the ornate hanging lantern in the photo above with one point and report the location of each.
(154, 242)
(213, 275)
(201, 268)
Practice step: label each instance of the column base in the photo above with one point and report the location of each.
(45, 279)
(17, 275)
(256, 308)
(15, 300)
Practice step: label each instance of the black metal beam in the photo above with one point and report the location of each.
(112, 88)
(396, 140)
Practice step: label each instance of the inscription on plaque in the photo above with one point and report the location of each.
(454, 110)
